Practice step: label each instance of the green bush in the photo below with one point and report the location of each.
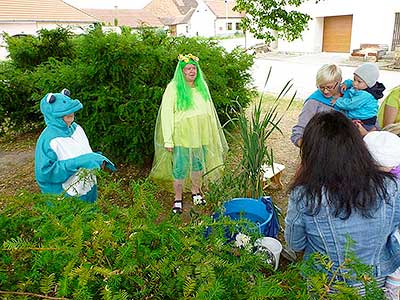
(29, 52)
(16, 104)
(120, 80)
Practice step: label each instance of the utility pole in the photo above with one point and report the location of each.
(226, 16)
(115, 23)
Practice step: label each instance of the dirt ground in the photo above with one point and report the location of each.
(17, 164)
(17, 160)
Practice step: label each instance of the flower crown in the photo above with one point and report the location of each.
(187, 57)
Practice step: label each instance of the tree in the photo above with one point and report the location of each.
(272, 19)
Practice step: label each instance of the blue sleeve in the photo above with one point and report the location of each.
(295, 233)
(354, 100)
(348, 83)
(49, 169)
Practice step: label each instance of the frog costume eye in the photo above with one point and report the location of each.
(50, 98)
(66, 92)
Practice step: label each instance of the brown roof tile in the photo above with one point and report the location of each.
(219, 9)
(170, 8)
(128, 17)
(42, 10)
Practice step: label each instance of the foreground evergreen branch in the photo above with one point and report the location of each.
(32, 295)
(127, 251)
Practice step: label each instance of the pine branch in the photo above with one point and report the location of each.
(34, 249)
(33, 295)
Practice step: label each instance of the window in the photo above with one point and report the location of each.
(187, 28)
(229, 26)
(237, 26)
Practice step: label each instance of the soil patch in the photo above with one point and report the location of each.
(17, 155)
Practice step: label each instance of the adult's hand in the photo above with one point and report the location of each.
(299, 142)
(361, 128)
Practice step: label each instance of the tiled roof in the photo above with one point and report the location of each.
(42, 10)
(219, 9)
(170, 8)
(128, 17)
(179, 19)
(173, 12)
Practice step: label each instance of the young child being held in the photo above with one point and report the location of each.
(360, 96)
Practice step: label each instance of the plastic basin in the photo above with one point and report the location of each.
(248, 208)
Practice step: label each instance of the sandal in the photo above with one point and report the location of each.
(177, 208)
(198, 199)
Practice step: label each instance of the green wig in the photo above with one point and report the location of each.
(184, 91)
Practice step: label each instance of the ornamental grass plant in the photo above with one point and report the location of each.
(254, 131)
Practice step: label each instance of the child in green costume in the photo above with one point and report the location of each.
(189, 142)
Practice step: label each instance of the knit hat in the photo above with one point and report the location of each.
(368, 72)
(384, 147)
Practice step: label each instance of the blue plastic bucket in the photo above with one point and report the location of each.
(248, 208)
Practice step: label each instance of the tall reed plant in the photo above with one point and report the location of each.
(254, 133)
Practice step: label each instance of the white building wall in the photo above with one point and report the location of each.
(373, 23)
(182, 29)
(373, 27)
(222, 27)
(202, 21)
(19, 28)
(77, 28)
(311, 40)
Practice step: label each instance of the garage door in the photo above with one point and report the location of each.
(337, 34)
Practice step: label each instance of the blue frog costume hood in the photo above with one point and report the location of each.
(54, 106)
(64, 159)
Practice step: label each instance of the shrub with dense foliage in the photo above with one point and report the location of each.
(28, 52)
(120, 80)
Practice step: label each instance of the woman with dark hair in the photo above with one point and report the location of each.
(340, 192)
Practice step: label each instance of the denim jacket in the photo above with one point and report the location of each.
(375, 241)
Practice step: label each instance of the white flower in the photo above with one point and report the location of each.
(242, 240)
(198, 200)
(264, 167)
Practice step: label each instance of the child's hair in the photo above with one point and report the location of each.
(328, 73)
(368, 72)
(393, 128)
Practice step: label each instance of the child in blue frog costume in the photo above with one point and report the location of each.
(63, 157)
